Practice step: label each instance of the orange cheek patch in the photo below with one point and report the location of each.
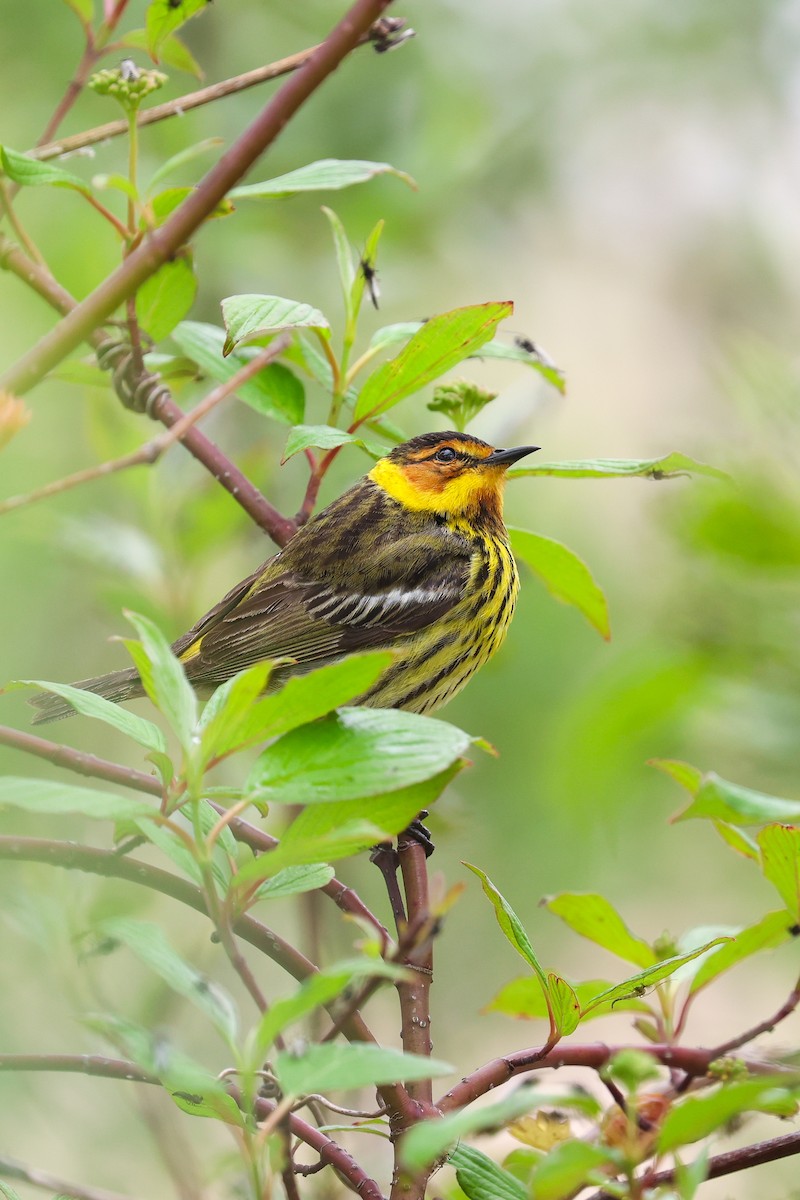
(421, 476)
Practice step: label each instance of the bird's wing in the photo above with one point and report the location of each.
(288, 615)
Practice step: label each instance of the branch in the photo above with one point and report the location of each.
(729, 1162)
(11, 1168)
(594, 1056)
(207, 95)
(176, 231)
(415, 996)
(152, 451)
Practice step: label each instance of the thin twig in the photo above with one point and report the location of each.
(11, 1168)
(165, 241)
(152, 451)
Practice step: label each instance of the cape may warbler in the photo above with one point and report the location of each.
(414, 557)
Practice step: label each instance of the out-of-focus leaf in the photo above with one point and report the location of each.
(667, 467)
(428, 1140)
(325, 175)
(355, 752)
(28, 172)
(719, 800)
(738, 840)
(163, 205)
(187, 155)
(325, 437)
(772, 930)
(163, 677)
(438, 346)
(332, 1066)
(172, 52)
(638, 984)
(267, 392)
(164, 17)
(251, 316)
(689, 1177)
(595, 918)
(83, 9)
(780, 862)
(481, 1179)
(148, 943)
(567, 1168)
(51, 797)
(698, 1116)
(564, 574)
(166, 296)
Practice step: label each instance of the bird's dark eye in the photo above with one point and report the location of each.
(445, 455)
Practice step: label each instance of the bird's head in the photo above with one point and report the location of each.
(451, 473)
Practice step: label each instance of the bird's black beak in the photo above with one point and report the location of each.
(504, 458)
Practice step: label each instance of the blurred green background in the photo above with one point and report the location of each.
(628, 175)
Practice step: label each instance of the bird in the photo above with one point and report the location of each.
(414, 558)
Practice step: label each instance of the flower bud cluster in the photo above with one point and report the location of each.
(127, 83)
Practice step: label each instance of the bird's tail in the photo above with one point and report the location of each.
(116, 686)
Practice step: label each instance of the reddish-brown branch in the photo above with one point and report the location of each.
(415, 1006)
(594, 1056)
(178, 229)
(10, 1168)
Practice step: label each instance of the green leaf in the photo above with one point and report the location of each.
(564, 574)
(141, 731)
(332, 1066)
(227, 715)
(325, 437)
(8, 1192)
(780, 862)
(438, 346)
(306, 698)
(523, 350)
(29, 173)
(513, 928)
(596, 919)
(682, 772)
(698, 1116)
(566, 1007)
(319, 990)
(738, 840)
(187, 155)
(344, 263)
(163, 678)
(523, 999)
(688, 1178)
(368, 259)
(325, 175)
(172, 846)
(637, 984)
(53, 798)
(163, 205)
(428, 1140)
(291, 881)
(83, 9)
(173, 53)
(252, 316)
(772, 930)
(353, 753)
(332, 831)
(166, 296)
(481, 1179)
(269, 393)
(719, 800)
(164, 17)
(148, 943)
(667, 467)
(569, 1167)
